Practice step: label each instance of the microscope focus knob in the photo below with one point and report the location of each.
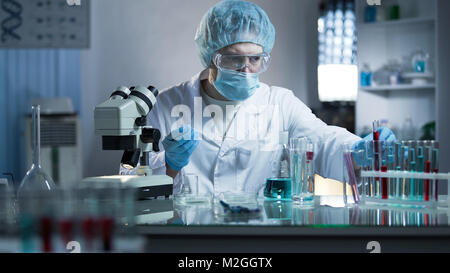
(151, 135)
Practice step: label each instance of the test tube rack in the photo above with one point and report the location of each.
(402, 200)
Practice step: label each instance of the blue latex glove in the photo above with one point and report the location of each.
(179, 145)
(385, 134)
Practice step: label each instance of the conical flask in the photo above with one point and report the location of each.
(36, 179)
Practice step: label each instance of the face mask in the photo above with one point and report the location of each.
(236, 86)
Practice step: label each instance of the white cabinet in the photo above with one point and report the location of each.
(382, 41)
(426, 25)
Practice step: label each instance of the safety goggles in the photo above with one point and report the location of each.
(257, 63)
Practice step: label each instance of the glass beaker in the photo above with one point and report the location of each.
(420, 61)
(36, 179)
(278, 188)
(302, 170)
(191, 192)
(353, 187)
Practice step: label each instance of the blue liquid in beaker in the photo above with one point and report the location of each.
(278, 188)
(419, 66)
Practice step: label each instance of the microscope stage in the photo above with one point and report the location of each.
(148, 186)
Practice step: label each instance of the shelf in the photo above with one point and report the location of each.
(397, 87)
(399, 22)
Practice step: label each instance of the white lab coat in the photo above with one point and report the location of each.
(240, 161)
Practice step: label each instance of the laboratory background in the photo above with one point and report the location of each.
(352, 62)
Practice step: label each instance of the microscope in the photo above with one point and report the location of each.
(121, 122)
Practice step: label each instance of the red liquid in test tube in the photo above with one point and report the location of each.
(376, 135)
(107, 225)
(427, 181)
(88, 226)
(384, 184)
(66, 227)
(376, 138)
(46, 234)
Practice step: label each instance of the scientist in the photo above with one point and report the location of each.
(223, 124)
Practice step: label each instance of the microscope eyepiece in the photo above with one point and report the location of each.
(121, 93)
(153, 90)
(145, 98)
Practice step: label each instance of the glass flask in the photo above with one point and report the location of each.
(420, 61)
(279, 186)
(36, 179)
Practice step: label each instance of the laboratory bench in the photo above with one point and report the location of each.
(165, 225)
(282, 226)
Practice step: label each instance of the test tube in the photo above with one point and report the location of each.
(46, 204)
(420, 166)
(128, 196)
(435, 167)
(368, 166)
(377, 163)
(89, 213)
(404, 186)
(384, 155)
(395, 193)
(390, 163)
(66, 208)
(376, 155)
(109, 200)
(375, 127)
(412, 168)
(308, 183)
(46, 224)
(380, 164)
(428, 186)
(413, 159)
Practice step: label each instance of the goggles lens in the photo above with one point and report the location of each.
(257, 63)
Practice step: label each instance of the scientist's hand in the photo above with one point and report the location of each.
(385, 134)
(179, 145)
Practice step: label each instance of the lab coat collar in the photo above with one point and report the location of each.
(260, 99)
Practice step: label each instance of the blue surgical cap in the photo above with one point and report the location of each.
(230, 22)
